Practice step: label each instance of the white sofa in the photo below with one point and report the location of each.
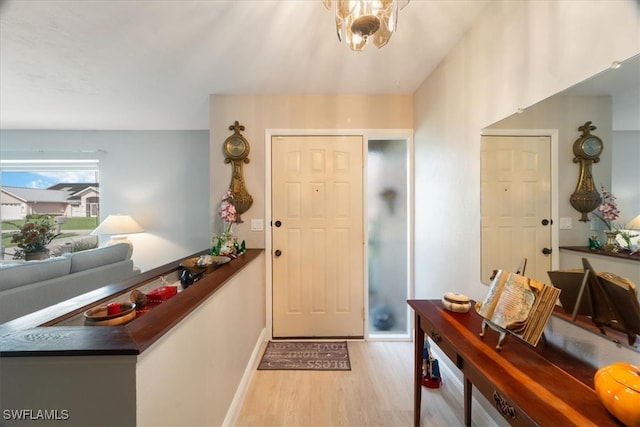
(26, 287)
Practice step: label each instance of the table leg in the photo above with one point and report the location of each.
(468, 388)
(417, 390)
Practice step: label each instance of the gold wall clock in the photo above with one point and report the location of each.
(236, 150)
(587, 149)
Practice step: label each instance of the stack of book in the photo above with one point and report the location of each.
(518, 305)
(608, 299)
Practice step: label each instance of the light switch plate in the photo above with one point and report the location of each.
(257, 225)
(566, 223)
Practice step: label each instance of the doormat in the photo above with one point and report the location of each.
(306, 356)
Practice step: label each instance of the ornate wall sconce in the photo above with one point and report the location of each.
(236, 150)
(587, 149)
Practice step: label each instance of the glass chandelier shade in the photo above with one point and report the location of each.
(358, 21)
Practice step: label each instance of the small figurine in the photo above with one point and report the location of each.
(430, 369)
(594, 243)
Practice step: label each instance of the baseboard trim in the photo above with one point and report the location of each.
(241, 391)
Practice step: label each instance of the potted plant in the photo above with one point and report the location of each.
(226, 243)
(33, 237)
(607, 213)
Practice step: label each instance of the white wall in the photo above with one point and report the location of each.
(203, 359)
(260, 113)
(160, 178)
(516, 54)
(625, 175)
(96, 391)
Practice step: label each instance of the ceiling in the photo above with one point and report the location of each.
(622, 83)
(152, 64)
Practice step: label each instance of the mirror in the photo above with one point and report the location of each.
(611, 100)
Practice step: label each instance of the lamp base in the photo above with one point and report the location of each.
(121, 239)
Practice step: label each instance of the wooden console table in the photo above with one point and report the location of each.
(527, 385)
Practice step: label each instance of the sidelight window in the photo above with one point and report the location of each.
(388, 232)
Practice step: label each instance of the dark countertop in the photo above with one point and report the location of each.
(40, 333)
(620, 255)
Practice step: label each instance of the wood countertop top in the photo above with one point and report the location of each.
(40, 333)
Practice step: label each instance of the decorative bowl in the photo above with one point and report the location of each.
(618, 387)
(455, 302)
(208, 260)
(190, 264)
(204, 263)
(99, 316)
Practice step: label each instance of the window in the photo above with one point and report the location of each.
(389, 239)
(68, 189)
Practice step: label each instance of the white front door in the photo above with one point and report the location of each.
(516, 204)
(317, 236)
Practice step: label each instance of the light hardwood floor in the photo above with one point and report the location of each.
(378, 391)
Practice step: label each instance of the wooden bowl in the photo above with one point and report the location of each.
(204, 263)
(98, 316)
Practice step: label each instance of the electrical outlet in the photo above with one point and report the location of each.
(257, 225)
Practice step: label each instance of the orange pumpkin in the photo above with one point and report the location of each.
(618, 387)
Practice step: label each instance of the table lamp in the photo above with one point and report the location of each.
(634, 224)
(118, 226)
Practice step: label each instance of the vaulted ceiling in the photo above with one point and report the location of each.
(152, 64)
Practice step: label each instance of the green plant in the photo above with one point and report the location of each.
(226, 243)
(33, 236)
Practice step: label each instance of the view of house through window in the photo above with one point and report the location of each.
(55, 205)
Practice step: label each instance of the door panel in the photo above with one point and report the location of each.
(516, 197)
(317, 189)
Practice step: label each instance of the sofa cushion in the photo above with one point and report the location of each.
(11, 263)
(33, 271)
(93, 258)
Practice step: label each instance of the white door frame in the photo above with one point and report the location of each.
(367, 134)
(553, 135)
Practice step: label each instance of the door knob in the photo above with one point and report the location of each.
(278, 223)
(547, 221)
(546, 251)
(278, 252)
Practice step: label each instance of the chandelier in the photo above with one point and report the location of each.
(358, 21)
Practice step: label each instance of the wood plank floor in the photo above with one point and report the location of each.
(378, 391)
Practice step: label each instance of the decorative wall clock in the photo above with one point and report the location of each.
(236, 150)
(587, 149)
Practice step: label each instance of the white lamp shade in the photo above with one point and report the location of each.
(634, 224)
(117, 224)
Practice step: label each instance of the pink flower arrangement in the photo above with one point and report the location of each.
(226, 243)
(608, 210)
(228, 210)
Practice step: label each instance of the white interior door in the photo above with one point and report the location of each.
(317, 236)
(516, 201)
